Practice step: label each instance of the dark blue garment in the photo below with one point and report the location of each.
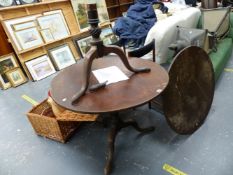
(146, 1)
(140, 18)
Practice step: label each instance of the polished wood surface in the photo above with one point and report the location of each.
(189, 94)
(139, 89)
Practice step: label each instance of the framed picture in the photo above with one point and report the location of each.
(55, 22)
(28, 1)
(80, 11)
(40, 67)
(108, 36)
(102, 12)
(29, 38)
(62, 56)
(16, 77)
(54, 12)
(7, 62)
(7, 24)
(4, 85)
(46, 35)
(83, 45)
(24, 25)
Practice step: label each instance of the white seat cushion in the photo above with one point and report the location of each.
(164, 31)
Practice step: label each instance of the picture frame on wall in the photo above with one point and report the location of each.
(7, 62)
(55, 22)
(80, 11)
(24, 25)
(7, 24)
(47, 35)
(3, 84)
(108, 36)
(102, 12)
(40, 67)
(16, 77)
(62, 56)
(29, 38)
(50, 12)
(83, 44)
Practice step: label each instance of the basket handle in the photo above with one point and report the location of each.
(44, 110)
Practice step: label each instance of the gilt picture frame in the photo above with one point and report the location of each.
(16, 77)
(7, 24)
(7, 62)
(80, 11)
(62, 56)
(40, 67)
(108, 36)
(24, 25)
(83, 44)
(55, 22)
(46, 35)
(29, 38)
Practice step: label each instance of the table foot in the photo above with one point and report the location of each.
(111, 141)
(133, 123)
(117, 125)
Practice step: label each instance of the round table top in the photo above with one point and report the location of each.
(139, 89)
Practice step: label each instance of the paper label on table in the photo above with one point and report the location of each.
(111, 74)
(173, 170)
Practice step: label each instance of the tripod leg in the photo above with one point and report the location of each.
(111, 142)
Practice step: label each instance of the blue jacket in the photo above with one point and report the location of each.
(140, 18)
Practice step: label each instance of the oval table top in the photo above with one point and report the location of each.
(139, 89)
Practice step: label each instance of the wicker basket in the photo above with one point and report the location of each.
(66, 115)
(45, 124)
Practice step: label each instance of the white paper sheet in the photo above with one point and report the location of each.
(111, 74)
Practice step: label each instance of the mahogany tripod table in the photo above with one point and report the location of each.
(139, 89)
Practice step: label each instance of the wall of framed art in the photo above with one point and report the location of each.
(11, 74)
(51, 28)
(26, 28)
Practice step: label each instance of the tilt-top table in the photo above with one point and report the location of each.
(76, 89)
(139, 89)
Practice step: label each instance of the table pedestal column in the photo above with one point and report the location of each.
(116, 125)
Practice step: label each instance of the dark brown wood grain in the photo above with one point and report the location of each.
(139, 89)
(188, 97)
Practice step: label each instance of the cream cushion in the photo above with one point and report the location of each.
(164, 31)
